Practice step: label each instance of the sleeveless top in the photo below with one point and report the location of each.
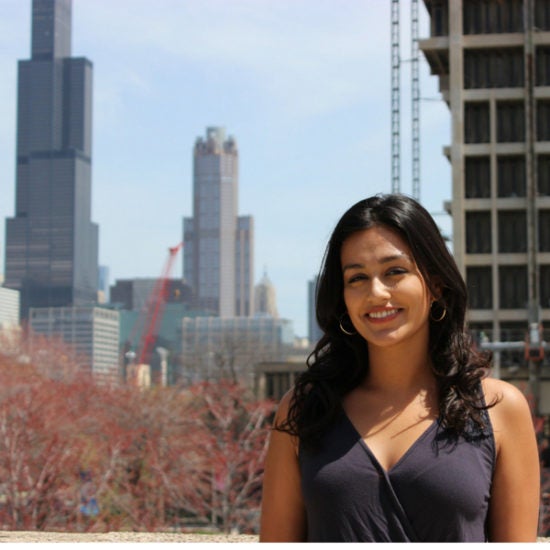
(438, 491)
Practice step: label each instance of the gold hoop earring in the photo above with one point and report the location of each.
(441, 317)
(347, 332)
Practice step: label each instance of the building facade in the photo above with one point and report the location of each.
(265, 298)
(214, 347)
(9, 308)
(51, 242)
(93, 333)
(218, 244)
(493, 63)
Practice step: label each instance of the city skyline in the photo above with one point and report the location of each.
(305, 88)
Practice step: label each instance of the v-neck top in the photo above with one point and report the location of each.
(438, 491)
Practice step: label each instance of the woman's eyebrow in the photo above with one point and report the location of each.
(384, 260)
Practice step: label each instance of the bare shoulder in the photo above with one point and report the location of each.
(508, 398)
(511, 413)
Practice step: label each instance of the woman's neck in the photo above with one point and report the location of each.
(401, 371)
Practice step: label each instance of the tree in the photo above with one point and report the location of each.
(232, 433)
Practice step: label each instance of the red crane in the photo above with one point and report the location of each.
(155, 308)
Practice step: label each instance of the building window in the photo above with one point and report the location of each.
(439, 20)
(543, 175)
(544, 284)
(510, 121)
(492, 17)
(277, 384)
(478, 177)
(543, 120)
(542, 15)
(511, 176)
(512, 282)
(544, 230)
(542, 66)
(480, 287)
(476, 122)
(512, 231)
(478, 232)
(488, 68)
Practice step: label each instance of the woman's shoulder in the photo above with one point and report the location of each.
(508, 397)
(509, 409)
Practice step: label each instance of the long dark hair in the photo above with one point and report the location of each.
(339, 362)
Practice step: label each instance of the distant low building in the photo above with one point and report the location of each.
(9, 308)
(92, 331)
(132, 294)
(274, 378)
(214, 347)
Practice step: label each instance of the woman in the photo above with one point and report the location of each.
(395, 432)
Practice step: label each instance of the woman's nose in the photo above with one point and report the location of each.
(378, 289)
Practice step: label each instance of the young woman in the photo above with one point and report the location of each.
(395, 432)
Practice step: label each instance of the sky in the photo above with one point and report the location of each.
(304, 86)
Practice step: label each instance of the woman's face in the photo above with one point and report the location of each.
(385, 294)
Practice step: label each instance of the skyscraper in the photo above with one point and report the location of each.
(51, 243)
(218, 244)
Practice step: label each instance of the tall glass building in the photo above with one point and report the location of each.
(51, 242)
(218, 244)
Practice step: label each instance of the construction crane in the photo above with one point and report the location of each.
(396, 100)
(152, 314)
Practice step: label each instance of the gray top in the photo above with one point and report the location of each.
(439, 491)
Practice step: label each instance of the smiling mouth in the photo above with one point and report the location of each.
(382, 314)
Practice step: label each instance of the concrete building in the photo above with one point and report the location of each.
(215, 347)
(265, 298)
(218, 244)
(93, 333)
(51, 242)
(274, 378)
(9, 308)
(493, 63)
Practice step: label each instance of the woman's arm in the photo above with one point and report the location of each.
(283, 515)
(515, 494)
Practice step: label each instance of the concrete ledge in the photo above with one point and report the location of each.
(40, 536)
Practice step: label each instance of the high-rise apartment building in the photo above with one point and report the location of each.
(218, 244)
(51, 242)
(493, 63)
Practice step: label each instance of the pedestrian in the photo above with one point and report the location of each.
(396, 432)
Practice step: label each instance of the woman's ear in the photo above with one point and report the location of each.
(436, 288)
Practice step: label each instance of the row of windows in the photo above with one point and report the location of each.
(512, 231)
(488, 16)
(512, 285)
(510, 123)
(511, 176)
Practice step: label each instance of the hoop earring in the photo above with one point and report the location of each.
(347, 332)
(441, 317)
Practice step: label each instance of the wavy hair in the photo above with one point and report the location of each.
(339, 362)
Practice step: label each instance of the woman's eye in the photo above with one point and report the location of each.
(397, 271)
(356, 278)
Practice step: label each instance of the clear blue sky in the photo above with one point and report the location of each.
(303, 86)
